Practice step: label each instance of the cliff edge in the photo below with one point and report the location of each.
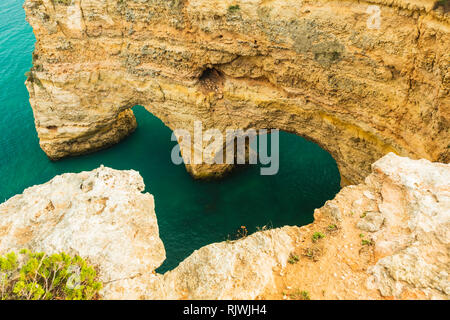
(386, 238)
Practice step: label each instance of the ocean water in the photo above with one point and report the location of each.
(190, 213)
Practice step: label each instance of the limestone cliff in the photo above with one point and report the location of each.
(387, 238)
(100, 215)
(314, 68)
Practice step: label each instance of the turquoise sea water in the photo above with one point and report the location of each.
(190, 213)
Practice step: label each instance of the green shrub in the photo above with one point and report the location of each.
(63, 2)
(317, 235)
(332, 227)
(293, 258)
(38, 276)
(305, 295)
(302, 295)
(234, 8)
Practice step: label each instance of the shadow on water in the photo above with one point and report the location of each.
(190, 213)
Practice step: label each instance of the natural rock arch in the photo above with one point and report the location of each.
(309, 67)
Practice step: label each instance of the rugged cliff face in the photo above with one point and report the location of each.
(314, 68)
(101, 215)
(386, 238)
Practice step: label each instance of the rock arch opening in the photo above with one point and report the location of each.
(192, 213)
(313, 69)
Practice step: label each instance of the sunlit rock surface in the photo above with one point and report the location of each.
(101, 215)
(315, 68)
(387, 238)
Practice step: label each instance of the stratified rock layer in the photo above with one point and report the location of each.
(314, 68)
(100, 215)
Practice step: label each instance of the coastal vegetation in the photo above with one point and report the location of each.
(39, 276)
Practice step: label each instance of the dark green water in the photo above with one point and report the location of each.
(190, 213)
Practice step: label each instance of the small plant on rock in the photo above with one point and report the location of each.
(38, 276)
(63, 2)
(332, 227)
(365, 242)
(317, 235)
(234, 8)
(242, 232)
(293, 258)
(302, 295)
(309, 253)
(265, 227)
(312, 253)
(305, 295)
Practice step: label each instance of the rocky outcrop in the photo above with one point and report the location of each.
(412, 249)
(315, 68)
(228, 270)
(100, 215)
(402, 251)
(387, 238)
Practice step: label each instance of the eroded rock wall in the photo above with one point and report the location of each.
(309, 67)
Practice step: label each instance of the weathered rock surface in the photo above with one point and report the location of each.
(405, 254)
(101, 215)
(413, 248)
(404, 206)
(228, 270)
(309, 67)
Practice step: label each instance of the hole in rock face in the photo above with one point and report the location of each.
(190, 213)
(194, 213)
(211, 80)
(210, 74)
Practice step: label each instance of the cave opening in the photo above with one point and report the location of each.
(210, 74)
